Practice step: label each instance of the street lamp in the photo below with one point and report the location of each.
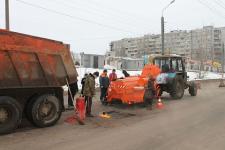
(221, 81)
(162, 25)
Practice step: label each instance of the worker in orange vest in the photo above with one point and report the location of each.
(113, 75)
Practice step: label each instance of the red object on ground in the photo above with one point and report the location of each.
(159, 104)
(79, 111)
(80, 108)
(71, 120)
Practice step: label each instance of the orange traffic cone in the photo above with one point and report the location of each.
(159, 104)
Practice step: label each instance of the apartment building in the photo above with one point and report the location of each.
(199, 44)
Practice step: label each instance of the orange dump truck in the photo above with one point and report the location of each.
(131, 89)
(32, 73)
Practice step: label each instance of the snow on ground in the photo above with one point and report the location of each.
(212, 75)
(192, 75)
(204, 75)
(82, 71)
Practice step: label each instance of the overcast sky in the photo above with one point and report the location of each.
(90, 25)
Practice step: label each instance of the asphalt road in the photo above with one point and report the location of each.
(193, 123)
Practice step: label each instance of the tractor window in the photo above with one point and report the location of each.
(166, 61)
(180, 67)
(158, 62)
(161, 62)
(174, 65)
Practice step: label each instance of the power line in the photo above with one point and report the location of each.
(119, 13)
(93, 12)
(116, 10)
(212, 9)
(223, 3)
(112, 13)
(220, 4)
(98, 38)
(73, 17)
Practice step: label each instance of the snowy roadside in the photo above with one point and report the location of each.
(82, 71)
(192, 75)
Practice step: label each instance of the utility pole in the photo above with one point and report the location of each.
(7, 14)
(162, 34)
(202, 53)
(162, 27)
(191, 45)
(221, 81)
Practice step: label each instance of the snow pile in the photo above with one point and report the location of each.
(108, 67)
(211, 75)
(192, 76)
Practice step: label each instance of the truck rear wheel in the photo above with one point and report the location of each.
(10, 114)
(177, 88)
(44, 111)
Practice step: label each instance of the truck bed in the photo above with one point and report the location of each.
(29, 61)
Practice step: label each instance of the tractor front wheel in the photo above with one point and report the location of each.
(177, 91)
(193, 89)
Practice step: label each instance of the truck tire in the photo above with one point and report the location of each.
(177, 88)
(28, 108)
(192, 89)
(44, 111)
(10, 114)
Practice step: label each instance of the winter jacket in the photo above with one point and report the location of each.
(104, 80)
(89, 86)
(149, 90)
(112, 76)
(83, 83)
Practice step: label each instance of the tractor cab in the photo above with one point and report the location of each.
(171, 64)
(173, 77)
